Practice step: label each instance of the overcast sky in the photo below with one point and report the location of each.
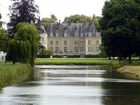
(60, 8)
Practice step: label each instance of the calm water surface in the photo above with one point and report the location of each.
(73, 85)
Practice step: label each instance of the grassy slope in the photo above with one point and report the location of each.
(10, 74)
(130, 71)
(72, 61)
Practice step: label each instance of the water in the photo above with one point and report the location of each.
(73, 85)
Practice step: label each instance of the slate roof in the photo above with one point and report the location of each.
(71, 30)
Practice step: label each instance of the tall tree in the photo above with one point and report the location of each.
(77, 19)
(0, 21)
(24, 46)
(52, 19)
(137, 42)
(83, 19)
(119, 27)
(3, 38)
(22, 11)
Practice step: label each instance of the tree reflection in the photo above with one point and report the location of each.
(120, 93)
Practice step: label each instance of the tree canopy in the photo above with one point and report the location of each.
(22, 11)
(3, 38)
(83, 19)
(77, 19)
(120, 25)
(24, 46)
(52, 19)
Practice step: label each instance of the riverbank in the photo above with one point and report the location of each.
(73, 61)
(132, 72)
(11, 74)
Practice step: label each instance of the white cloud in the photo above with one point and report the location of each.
(61, 8)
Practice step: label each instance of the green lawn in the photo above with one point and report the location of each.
(73, 61)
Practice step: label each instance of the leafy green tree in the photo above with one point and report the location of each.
(0, 21)
(24, 46)
(45, 52)
(119, 27)
(52, 19)
(83, 19)
(137, 29)
(3, 38)
(77, 19)
(97, 22)
(22, 11)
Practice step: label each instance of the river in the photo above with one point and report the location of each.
(73, 85)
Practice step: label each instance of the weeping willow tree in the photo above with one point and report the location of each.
(24, 46)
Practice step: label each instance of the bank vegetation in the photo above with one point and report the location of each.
(12, 74)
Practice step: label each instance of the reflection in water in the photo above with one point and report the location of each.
(73, 85)
(125, 92)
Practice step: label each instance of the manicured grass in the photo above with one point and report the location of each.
(128, 71)
(73, 61)
(11, 74)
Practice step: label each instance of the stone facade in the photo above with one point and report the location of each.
(71, 39)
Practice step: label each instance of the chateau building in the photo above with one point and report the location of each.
(71, 39)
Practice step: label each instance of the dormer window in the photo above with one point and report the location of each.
(51, 34)
(82, 34)
(65, 33)
(65, 28)
(89, 34)
(57, 35)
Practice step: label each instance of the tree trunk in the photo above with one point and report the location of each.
(14, 62)
(130, 61)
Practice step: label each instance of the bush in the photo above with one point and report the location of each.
(43, 56)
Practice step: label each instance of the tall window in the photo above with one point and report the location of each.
(51, 49)
(89, 42)
(76, 49)
(75, 42)
(56, 49)
(65, 49)
(81, 42)
(89, 49)
(57, 43)
(51, 42)
(97, 42)
(65, 42)
(81, 49)
(97, 49)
